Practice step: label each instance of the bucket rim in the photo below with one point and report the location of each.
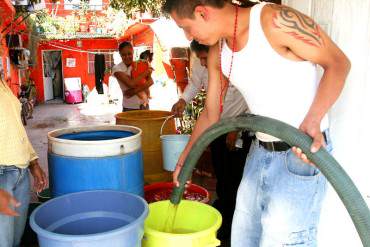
(90, 237)
(117, 116)
(216, 226)
(174, 135)
(158, 185)
(52, 135)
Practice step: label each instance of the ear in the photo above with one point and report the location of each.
(202, 11)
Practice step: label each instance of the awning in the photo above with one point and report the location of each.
(169, 34)
(7, 9)
(166, 31)
(136, 28)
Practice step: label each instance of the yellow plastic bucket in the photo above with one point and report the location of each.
(200, 220)
(150, 122)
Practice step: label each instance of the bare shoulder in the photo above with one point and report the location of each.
(286, 23)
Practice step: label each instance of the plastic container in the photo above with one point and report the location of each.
(162, 191)
(95, 158)
(150, 122)
(200, 222)
(172, 147)
(91, 219)
(73, 90)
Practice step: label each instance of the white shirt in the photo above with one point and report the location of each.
(273, 86)
(134, 102)
(234, 103)
(198, 80)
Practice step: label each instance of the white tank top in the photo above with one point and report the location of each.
(273, 86)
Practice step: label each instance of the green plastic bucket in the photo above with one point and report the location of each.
(200, 220)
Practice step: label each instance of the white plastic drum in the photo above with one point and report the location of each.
(89, 144)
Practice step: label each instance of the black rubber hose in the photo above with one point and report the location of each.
(342, 183)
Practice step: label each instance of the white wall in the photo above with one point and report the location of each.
(348, 24)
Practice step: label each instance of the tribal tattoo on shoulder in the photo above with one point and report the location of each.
(297, 25)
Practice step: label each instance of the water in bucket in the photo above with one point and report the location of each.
(194, 225)
(171, 217)
(90, 219)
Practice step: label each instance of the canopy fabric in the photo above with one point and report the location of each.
(169, 34)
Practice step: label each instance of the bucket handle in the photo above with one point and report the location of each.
(165, 121)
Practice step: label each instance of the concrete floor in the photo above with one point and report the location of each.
(55, 115)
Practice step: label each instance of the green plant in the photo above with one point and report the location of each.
(130, 7)
(192, 112)
(82, 11)
(34, 40)
(70, 25)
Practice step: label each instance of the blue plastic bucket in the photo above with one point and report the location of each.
(95, 158)
(91, 219)
(172, 147)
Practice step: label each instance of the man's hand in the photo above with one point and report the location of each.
(178, 108)
(6, 202)
(39, 176)
(231, 140)
(312, 128)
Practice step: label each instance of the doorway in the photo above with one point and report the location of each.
(53, 74)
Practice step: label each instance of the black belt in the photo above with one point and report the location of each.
(280, 146)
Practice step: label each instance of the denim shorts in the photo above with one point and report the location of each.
(279, 200)
(16, 181)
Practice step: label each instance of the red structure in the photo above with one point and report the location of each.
(74, 56)
(77, 51)
(81, 52)
(64, 8)
(11, 72)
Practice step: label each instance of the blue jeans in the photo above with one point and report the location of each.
(17, 182)
(279, 200)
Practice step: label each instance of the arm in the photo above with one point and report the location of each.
(129, 82)
(300, 35)
(39, 177)
(191, 90)
(133, 91)
(211, 112)
(195, 84)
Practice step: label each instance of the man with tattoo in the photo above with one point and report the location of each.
(270, 53)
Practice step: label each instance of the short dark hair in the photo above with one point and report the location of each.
(185, 8)
(124, 44)
(146, 55)
(195, 46)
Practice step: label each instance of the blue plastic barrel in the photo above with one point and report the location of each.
(91, 219)
(95, 158)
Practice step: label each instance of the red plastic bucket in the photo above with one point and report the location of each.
(162, 191)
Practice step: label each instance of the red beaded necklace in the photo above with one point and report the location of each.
(223, 87)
